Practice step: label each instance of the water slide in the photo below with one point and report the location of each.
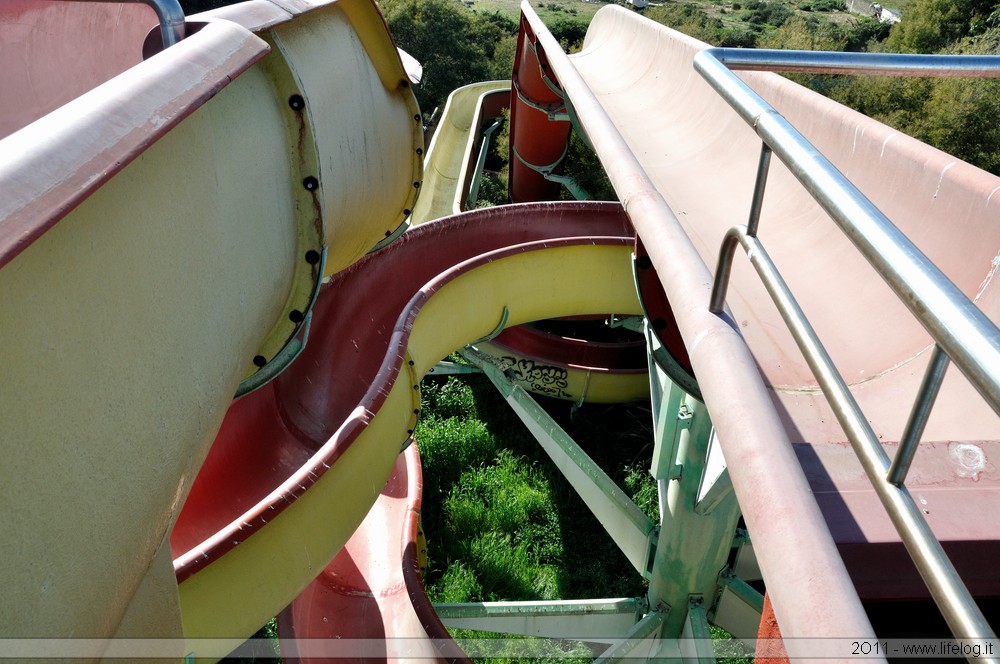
(686, 174)
(453, 150)
(452, 280)
(568, 363)
(153, 273)
(703, 158)
(220, 263)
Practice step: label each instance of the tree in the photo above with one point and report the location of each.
(440, 34)
(805, 33)
(931, 25)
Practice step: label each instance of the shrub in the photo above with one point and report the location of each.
(761, 13)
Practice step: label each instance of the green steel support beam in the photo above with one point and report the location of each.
(595, 620)
(696, 639)
(630, 529)
(484, 151)
(737, 608)
(642, 642)
(575, 190)
(698, 510)
(742, 590)
(445, 368)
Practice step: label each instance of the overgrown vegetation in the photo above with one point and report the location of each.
(501, 522)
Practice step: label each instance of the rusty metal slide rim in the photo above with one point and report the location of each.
(797, 587)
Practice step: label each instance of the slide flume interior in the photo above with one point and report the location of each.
(297, 464)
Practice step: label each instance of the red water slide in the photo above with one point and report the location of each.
(538, 145)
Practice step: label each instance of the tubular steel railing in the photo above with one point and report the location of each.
(962, 334)
(169, 13)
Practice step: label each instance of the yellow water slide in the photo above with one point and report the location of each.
(453, 151)
(547, 363)
(161, 236)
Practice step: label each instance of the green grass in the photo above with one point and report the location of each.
(502, 523)
(548, 11)
(511, 649)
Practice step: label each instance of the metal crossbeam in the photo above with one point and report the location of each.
(630, 529)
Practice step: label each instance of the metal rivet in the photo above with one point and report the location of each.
(417, 117)
(406, 213)
(259, 360)
(312, 257)
(420, 151)
(310, 183)
(295, 316)
(416, 185)
(296, 102)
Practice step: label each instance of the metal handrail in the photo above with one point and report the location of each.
(169, 13)
(961, 331)
(964, 333)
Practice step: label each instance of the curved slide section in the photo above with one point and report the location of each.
(152, 267)
(369, 603)
(703, 158)
(452, 151)
(298, 463)
(560, 366)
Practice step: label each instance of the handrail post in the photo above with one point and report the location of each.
(758, 189)
(928, 392)
(720, 285)
(724, 268)
(169, 13)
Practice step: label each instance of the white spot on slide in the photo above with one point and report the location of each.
(941, 179)
(969, 459)
(994, 264)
